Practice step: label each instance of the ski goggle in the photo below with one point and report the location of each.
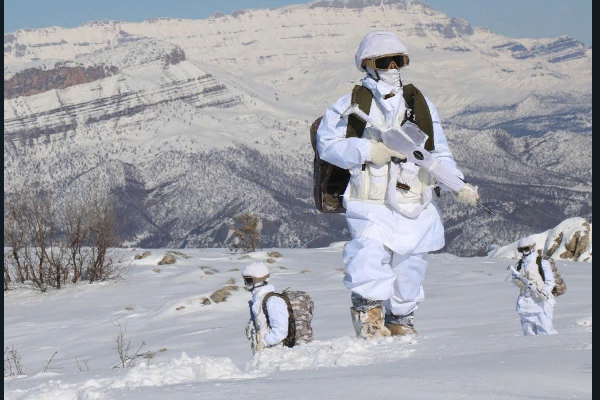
(383, 62)
(249, 280)
(524, 249)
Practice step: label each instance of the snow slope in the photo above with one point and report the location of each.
(470, 343)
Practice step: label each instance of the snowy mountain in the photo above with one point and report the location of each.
(190, 122)
(470, 342)
(571, 240)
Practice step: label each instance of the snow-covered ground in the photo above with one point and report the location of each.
(470, 343)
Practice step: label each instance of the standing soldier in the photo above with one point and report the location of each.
(534, 276)
(385, 261)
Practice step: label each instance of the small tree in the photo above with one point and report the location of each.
(16, 238)
(246, 234)
(39, 222)
(103, 235)
(77, 230)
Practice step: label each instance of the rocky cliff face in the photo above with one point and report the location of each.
(35, 80)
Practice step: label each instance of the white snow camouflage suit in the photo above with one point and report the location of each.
(535, 311)
(278, 316)
(385, 260)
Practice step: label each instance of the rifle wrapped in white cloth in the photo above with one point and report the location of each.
(410, 141)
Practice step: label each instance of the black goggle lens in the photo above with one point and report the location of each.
(248, 280)
(384, 62)
(522, 249)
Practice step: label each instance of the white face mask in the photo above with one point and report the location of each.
(391, 77)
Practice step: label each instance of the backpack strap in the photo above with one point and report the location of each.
(363, 97)
(519, 265)
(290, 339)
(417, 112)
(538, 261)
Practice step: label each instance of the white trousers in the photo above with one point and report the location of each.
(538, 323)
(377, 273)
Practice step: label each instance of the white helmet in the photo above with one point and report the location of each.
(377, 44)
(526, 245)
(255, 273)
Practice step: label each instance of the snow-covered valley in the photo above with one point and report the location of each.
(470, 343)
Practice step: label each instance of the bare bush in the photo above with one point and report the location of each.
(77, 231)
(103, 235)
(16, 238)
(39, 219)
(50, 245)
(48, 367)
(12, 362)
(6, 274)
(83, 366)
(123, 347)
(246, 234)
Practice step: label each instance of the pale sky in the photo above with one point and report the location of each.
(512, 18)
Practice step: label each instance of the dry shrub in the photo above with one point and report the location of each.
(274, 254)
(123, 347)
(50, 244)
(12, 362)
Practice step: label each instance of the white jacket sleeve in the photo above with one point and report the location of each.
(548, 275)
(441, 149)
(278, 319)
(332, 144)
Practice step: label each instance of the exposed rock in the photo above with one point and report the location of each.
(141, 256)
(129, 308)
(555, 245)
(282, 267)
(271, 260)
(233, 269)
(220, 295)
(178, 253)
(180, 308)
(205, 301)
(304, 271)
(274, 254)
(157, 270)
(231, 281)
(231, 287)
(35, 80)
(167, 259)
(571, 240)
(209, 270)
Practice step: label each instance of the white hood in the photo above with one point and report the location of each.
(378, 43)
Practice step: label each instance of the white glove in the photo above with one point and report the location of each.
(468, 194)
(544, 293)
(531, 286)
(381, 154)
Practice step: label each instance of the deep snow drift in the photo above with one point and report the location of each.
(470, 343)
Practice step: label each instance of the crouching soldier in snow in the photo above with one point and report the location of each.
(389, 206)
(275, 318)
(534, 276)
